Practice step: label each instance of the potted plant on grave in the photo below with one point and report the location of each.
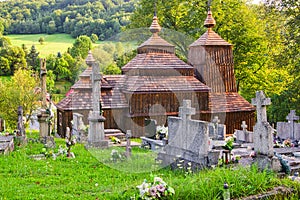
(227, 149)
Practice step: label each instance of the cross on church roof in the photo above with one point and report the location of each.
(292, 116)
(186, 111)
(261, 102)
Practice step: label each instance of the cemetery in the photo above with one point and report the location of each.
(154, 135)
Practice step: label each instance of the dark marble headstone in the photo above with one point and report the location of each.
(150, 128)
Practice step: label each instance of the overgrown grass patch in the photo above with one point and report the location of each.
(92, 174)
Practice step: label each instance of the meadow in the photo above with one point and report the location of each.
(52, 43)
(94, 176)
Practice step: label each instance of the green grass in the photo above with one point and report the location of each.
(93, 175)
(53, 43)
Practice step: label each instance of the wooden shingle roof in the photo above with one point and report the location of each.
(210, 38)
(228, 102)
(156, 61)
(82, 100)
(149, 84)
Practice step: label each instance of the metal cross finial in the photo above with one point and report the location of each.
(209, 4)
(155, 7)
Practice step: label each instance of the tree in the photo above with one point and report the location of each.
(21, 90)
(94, 38)
(4, 42)
(33, 58)
(41, 40)
(51, 27)
(15, 57)
(81, 47)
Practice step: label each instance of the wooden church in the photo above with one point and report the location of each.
(155, 83)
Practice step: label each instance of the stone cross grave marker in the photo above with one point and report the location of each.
(43, 116)
(96, 120)
(217, 131)
(77, 127)
(263, 132)
(128, 143)
(244, 136)
(290, 129)
(188, 138)
(20, 126)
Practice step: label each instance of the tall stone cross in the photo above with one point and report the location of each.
(96, 78)
(263, 132)
(261, 102)
(43, 76)
(186, 111)
(292, 117)
(96, 137)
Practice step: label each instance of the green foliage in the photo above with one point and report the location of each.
(12, 58)
(81, 47)
(41, 40)
(113, 56)
(4, 42)
(32, 58)
(94, 38)
(103, 18)
(21, 90)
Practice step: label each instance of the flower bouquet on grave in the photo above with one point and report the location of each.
(161, 132)
(229, 144)
(158, 189)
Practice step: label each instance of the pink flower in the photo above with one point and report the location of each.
(160, 188)
(153, 191)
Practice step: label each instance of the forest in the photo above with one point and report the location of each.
(76, 17)
(265, 38)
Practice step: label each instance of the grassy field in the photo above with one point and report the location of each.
(93, 175)
(53, 43)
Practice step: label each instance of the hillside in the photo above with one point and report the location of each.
(104, 18)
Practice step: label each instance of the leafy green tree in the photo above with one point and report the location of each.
(81, 47)
(4, 42)
(15, 57)
(41, 40)
(51, 27)
(33, 58)
(21, 90)
(94, 38)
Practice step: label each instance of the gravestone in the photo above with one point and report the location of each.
(150, 128)
(44, 115)
(244, 136)
(188, 140)
(6, 144)
(20, 125)
(128, 143)
(290, 129)
(217, 131)
(78, 128)
(96, 138)
(263, 132)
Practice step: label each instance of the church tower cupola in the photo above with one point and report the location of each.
(212, 58)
